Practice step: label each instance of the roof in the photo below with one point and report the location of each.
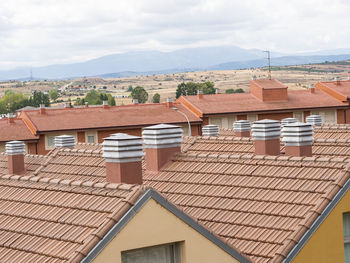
(45, 220)
(269, 83)
(341, 91)
(17, 130)
(326, 131)
(112, 117)
(260, 204)
(235, 145)
(246, 102)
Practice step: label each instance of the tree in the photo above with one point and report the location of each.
(239, 90)
(39, 98)
(191, 88)
(156, 98)
(207, 87)
(140, 94)
(93, 97)
(53, 94)
(229, 91)
(129, 88)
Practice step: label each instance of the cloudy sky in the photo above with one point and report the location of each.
(42, 32)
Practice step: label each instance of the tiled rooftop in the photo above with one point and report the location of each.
(32, 163)
(255, 203)
(15, 131)
(98, 117)
(45, 220)
(246, 102)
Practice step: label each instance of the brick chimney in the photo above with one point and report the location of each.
(337, 81)
(169, 102)
(42, 109)
(135, 101)
(269, 90)
(311, 88)
(161, 143)
(315, 120)
(298, 138)
(217, 91)
(242, 128)
(210, 130)
(15, 151)
(199, 94)
(67, 104)
(11, 118)
(86, 104)
(266, 134)
(105, 104)
(288, 120)
(123, 154)
(64, 141)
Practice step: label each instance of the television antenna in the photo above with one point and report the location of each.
(269, 61)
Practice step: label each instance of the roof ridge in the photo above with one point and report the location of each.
(265, 157)
(69, 182)
(311, 216)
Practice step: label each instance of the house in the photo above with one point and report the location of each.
(92, 124)
(208, 205)
(267, 99)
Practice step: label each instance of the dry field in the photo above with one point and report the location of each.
(166, 84)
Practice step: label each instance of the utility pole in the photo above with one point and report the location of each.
(31, 75)
(269, 61)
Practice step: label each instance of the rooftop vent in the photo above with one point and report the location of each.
(315, 120)
(210, 130)
(169, 102)
(199, 94)
(42, 109)
(135, 101)
(312, 88)
(105, 104)
(288, 120)
(242, 128)
(123, 154)
(298, 139)
(161, 143)
(64, 141)
(15, 151)
(266, 134)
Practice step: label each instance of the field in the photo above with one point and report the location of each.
(296, 77)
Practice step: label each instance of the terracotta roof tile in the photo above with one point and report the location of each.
(17, 130)
(98, 117)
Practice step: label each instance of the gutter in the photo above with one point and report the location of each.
(152, 194)
(296, 249)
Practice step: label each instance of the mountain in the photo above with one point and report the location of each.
(279, 61)
(156, 62)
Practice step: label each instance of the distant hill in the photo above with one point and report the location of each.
(156, 62)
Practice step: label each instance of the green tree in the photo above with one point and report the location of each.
(207, 87)
(94, 98)
(53, 94)
(229, 91)
(156, 98)
(129, 88)
(39, 98)
(140, 94)
(191, 88)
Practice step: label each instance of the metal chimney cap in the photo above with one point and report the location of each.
(15, 148)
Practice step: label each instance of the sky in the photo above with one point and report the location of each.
(44, 32)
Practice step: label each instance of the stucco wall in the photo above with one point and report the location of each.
(154, 225)
(327, 243)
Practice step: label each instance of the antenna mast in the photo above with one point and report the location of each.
(31, 75)
(269, 60)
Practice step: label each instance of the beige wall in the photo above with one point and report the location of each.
(155, 225)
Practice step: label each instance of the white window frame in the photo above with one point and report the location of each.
(91, 133)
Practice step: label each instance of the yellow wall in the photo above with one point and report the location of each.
(327, 243)
(155, 225)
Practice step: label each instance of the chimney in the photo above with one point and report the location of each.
(161, 143)
(297, 138)
(288, 120)
(266, 134)
(315, 120)
(123, 154)
(135, 101)
(242, 128)
(42, 109)
(86, 104)
(199, 94)
(105, 104)
(217, 91)
(210, 130)
(169, 102)
(15, 151)
(311, 88)
(11, 118)
(67, 104)
(337, 81)
(64, 141)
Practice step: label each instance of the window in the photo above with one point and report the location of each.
(299, 116)
(50, 141)
(346, 231)
(169, 253)
(91, 138)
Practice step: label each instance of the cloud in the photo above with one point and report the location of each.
(41, 32)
